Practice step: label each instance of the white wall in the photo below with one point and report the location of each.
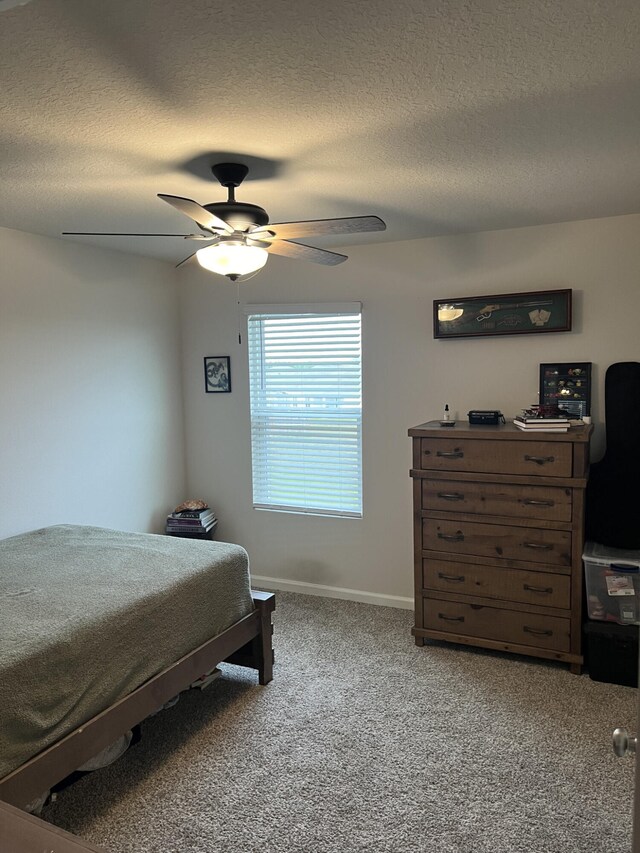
(408, 376)
(91, 419)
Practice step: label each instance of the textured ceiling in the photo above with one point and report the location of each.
(440, 116)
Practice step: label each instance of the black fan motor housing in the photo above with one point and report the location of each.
(238, 214)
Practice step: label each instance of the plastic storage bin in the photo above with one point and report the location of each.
(612, 578)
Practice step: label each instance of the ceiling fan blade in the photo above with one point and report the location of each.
(305, 253)
(319, 227)
(199, 214)
(119, 234)
(188, 258)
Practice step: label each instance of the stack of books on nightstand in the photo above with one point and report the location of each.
(534, 424)
(192, 523)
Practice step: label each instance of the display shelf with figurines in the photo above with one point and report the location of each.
(567, 386)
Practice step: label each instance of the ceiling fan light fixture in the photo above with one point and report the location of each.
(240, 235)
(232, 258)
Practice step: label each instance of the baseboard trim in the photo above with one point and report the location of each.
(333, 592)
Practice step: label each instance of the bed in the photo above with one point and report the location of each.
(99, 628)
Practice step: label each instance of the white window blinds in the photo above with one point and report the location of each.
(306, 408)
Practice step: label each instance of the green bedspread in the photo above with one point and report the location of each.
(88, 614)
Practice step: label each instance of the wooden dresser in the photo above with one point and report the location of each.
(498, 537)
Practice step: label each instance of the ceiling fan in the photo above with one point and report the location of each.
(240, 236)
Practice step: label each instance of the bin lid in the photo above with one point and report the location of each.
(604, 555)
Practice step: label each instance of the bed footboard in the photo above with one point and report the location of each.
(258, 652)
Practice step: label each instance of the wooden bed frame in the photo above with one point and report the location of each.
(248, 642)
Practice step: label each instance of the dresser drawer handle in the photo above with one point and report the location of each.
(451, 454)
(532, 502)
(538, 546)
(450, 618)
(451, 496)
(538, 631)
(452, 537)
(539, 460)
(547, 589)
(453, 578)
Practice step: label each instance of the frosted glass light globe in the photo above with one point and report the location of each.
(232, 258)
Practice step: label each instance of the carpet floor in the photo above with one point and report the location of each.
(364, 742)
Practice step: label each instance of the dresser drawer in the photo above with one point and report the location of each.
(526, 587)
(534, 458)
(547, 502)
(492, 623)
(552, 547)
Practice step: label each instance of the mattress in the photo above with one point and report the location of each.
(88, 614)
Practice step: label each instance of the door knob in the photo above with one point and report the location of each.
(623, 742)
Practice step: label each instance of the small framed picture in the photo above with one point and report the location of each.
(217, 374)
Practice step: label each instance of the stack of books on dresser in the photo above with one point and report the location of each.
(192, 523)
(535, 424)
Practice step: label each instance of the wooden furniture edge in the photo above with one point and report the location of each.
(495, 562)
(514, 479)
(464, 430)
(23, 833)
(496, 645)
(498, 603)
(251, 634)
(501, 520)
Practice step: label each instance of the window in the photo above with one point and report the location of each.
(305, 382)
